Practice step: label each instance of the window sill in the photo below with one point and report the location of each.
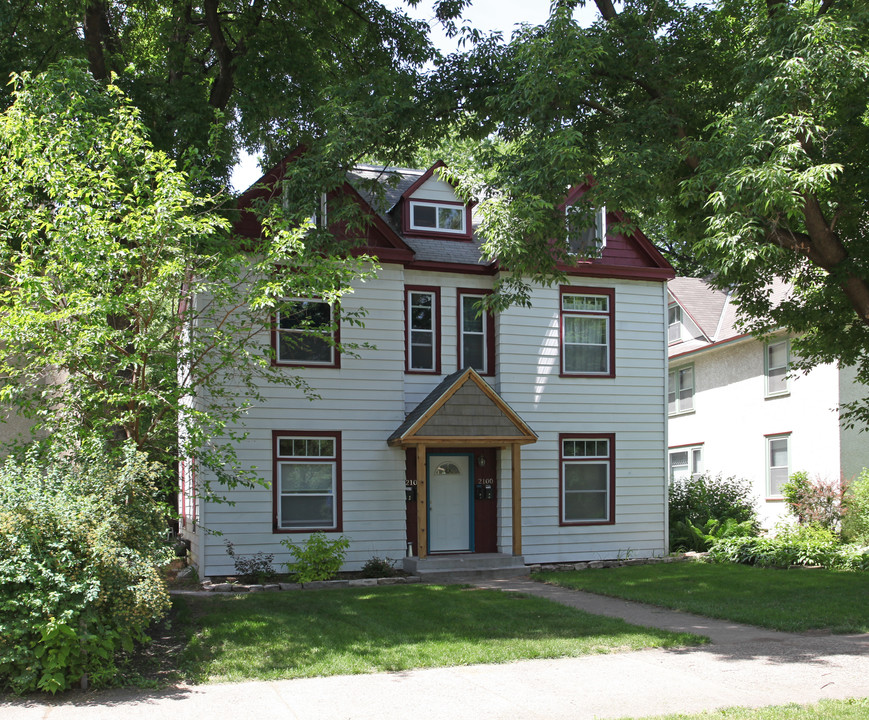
(773, 396)
(777, 499)
(585, 523)
(285, 531)
(679, 413)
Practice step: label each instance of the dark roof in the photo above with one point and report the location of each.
(426, 404)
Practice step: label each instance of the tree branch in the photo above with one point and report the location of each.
(94, 27)
(223, 84)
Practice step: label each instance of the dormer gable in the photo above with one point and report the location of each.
(431, 208)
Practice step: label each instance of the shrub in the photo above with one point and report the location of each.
(855, 522)
(377, 567)
(81, 537)
(697, 500)
(256, 568)
(815, 502)
(318, 558)
(791, 545)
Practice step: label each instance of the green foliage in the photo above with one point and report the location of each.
(819, 502)
(378, 567)
(81, 538)
(704, 508)
(109, 260)
(318, 558)
(855, 524)
(792, 545)
(254, 568)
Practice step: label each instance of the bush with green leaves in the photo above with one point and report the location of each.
(815, 502)
(81, 541)
(318, 558)
(378, 567)
(702, 505)
(251, 568)
(855, 523)
(792, 545)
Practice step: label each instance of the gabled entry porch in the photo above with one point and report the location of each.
(455, 496)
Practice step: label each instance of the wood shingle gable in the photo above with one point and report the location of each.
(462, 409)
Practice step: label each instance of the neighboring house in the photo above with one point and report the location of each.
(736, 409)
(538, 433)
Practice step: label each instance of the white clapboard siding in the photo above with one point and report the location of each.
(435, 189)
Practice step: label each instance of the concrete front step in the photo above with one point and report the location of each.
(463, 568)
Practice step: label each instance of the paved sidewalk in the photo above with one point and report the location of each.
(742, 666)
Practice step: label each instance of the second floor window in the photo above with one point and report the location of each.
(422, 333)
(586, 331)
(305, 333)
(680, 392)
(776, 366)
(476, 330)
(674, 333)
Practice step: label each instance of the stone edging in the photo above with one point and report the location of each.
(597, 564)
(209, 586)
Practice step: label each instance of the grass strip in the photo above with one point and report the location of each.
(850, 709)
(270, 636)
(790, 600)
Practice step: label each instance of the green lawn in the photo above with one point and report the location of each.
(852, 709)
(268, 636)
(790, 600)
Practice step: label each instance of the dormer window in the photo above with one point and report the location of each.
(674, 317)
(585, 239)
(437, 217)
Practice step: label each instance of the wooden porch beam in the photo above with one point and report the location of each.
(517, 498)
(421, 495)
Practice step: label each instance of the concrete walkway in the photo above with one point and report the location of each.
(742, 666)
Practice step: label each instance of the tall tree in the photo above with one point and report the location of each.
(736, 130)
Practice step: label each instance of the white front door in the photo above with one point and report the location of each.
(449, 503)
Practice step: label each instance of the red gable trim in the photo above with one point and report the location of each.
(422, 178)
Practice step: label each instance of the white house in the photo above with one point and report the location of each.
(537, 434)
(736, 409)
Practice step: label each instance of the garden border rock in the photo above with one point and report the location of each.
(226, 587)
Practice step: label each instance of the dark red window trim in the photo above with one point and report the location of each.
(336, 435)
(336, 356)
(490, 330)
(612, 477)
(581, 290)
(434, 233)
(436, 291)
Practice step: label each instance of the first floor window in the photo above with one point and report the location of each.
(776, 366)
(307, 480)
(680, 390)
(686, 462)
(305, 333)
(587, 479)
(777, 463)
(586, 331)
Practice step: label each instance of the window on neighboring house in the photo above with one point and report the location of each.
(305, 334)
(674, 333)
(777, 463)
(680, 390)
(686, 462)
(437, 217)
(423, 329)
(587, 340)
(476, 333)
(587, 479)
(776, 360)
(584, 238)
(307, 481)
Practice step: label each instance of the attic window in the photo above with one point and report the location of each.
(674, 320)
(437, 217)
(584, 238)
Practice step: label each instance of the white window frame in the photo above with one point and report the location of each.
(292, 458)
(605, 315)
(693, 464)
(581, 248)
(674, 324)
(483, 334)
(433, 330)
(437, 227)
(676, 405)
(770, 468)
(768, 368)
(594, 450)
